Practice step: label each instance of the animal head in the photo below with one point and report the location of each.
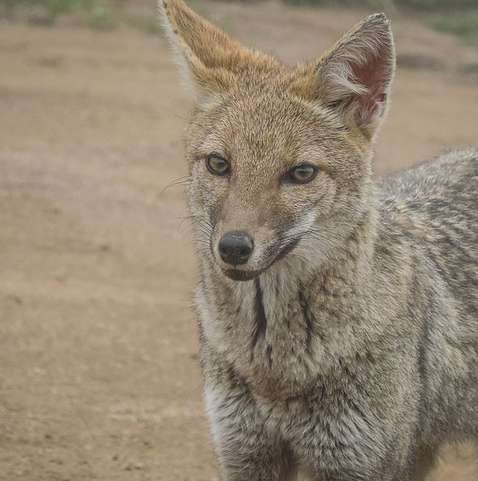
(278, 156)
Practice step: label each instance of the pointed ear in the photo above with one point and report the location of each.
(354, 77)
(208, 56)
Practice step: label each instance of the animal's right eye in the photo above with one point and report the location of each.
(217, 165)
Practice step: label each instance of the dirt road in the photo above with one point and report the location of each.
(99, 377)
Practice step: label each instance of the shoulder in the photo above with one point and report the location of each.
(450, 176)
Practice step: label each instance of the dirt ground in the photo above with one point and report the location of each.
(99, 376)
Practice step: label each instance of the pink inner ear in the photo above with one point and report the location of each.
(374, 75)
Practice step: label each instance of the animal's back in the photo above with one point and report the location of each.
(439, 199)
(433, 210)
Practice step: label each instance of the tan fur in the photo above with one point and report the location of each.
(456, 463)
(213, 59)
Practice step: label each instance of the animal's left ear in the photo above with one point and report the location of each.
(354, 77)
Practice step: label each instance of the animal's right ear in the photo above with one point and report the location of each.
(209, 58)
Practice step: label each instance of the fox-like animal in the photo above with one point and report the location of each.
(338, 315)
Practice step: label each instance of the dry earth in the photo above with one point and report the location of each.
(99, 377)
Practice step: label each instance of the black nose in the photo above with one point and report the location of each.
(236, 247)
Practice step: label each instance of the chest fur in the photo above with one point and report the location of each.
(279, 333)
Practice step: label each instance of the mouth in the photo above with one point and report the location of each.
(238, 275)
(243, 275)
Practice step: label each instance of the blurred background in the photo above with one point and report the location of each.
(99, 376)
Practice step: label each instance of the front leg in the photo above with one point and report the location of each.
(246, 444)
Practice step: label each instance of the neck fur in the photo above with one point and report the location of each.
(284, 320)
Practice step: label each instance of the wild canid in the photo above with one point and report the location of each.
(338, 315)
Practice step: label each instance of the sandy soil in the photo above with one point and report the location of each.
(99, 377)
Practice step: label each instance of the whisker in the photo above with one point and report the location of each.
(179, 181)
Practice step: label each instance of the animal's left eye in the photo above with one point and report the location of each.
(301, 174)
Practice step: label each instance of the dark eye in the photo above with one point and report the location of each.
(301, 174)
(217, 165)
